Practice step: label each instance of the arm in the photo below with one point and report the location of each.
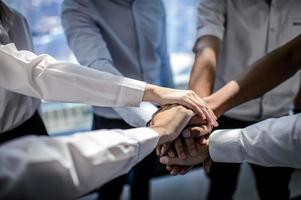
(71, 166)
(210, 32)
(74, 165)
(90, 49)
(46, 78)
(273, 142)
(270, 71)
(203, 71)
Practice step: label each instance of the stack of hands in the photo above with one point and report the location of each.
(184, 136)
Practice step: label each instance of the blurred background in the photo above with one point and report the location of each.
(61, 119)
(48, 37)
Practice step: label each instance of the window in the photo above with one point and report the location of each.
(48, 37)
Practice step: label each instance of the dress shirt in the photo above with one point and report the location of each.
(123, 37)
(273, 142)
(44, 77)
(249, 29)
(16, 108)
(67, 167)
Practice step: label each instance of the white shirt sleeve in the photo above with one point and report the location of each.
(273, 142)
(68, 167)
(45, 78)
(211, 18)
(137, 117)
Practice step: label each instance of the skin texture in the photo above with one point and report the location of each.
(188, 98)
(270, 71)
(170, 121)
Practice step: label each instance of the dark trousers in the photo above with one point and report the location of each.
(139, 175)
(32, 126)
(272, 182)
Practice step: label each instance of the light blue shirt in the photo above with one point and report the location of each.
(123, 37)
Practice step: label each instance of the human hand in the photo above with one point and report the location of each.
(170, 121)
(182, 170)
(187, 98)
(201, 155)
(198, 129)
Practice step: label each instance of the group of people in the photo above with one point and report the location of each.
(246, 70)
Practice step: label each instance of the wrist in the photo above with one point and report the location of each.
(148, 93)
(214, 105)
(163, 134)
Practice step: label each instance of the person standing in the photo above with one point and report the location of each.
(18, 113)
(231, 36)
(128, 38)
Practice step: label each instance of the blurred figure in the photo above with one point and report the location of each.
(128, 38)
(231, 36)
(18, 113)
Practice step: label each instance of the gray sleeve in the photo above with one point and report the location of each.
(211, 18)
(273, 142)
(85, 39)
(90, 49)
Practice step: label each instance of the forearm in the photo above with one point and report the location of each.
(203, 71)
(264, 75)
(46, 78)
(273, 142)
(72, 165)
(137, 116)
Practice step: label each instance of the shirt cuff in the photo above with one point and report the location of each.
(131, 93)
(147, 139)
(224, 146)
(210, 30)
(137, 117)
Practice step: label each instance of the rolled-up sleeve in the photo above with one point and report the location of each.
(273, 142)
(211, 18)
(70, 166)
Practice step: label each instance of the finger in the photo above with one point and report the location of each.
(203, 141)
(169, 167)
(171, 152)
(178, 145)
(193, 106)
(204, 109)
(165, 160)
(190, 146)
(158, 150)
(175, 170)
(186, 133)
(199, 131)
(185, 170)
(207, 164)
(165, 148)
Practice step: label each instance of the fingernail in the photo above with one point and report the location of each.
(163, 160)
(186, 134)
(162, 151)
